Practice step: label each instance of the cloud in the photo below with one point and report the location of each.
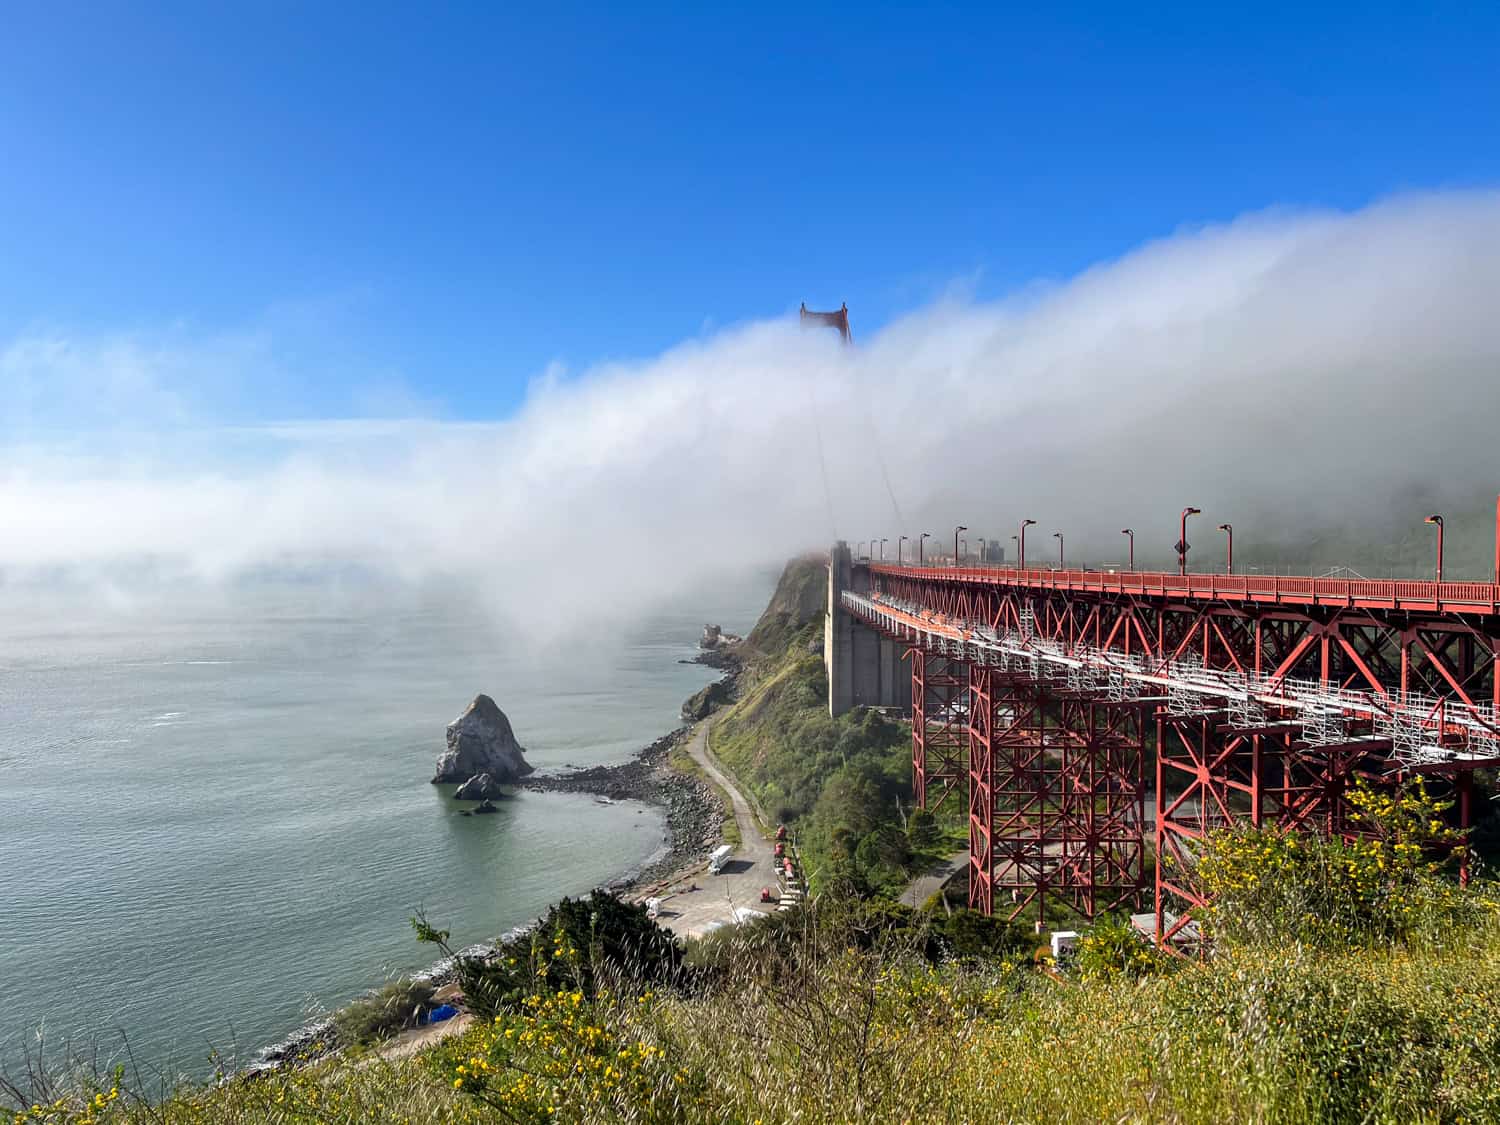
(1305, 376)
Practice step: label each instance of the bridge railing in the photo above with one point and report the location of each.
(1477, 597)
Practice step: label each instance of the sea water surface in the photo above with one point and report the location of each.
(216, 820)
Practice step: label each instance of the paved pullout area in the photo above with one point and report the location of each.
(694, 901)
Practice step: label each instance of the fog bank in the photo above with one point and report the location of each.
(1319, 380)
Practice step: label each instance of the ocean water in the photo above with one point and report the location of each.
(215, 820)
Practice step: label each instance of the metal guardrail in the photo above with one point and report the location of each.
(1397, 593)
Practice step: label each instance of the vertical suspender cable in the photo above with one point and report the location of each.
(885, 474)
(833, 530)
(840, 321)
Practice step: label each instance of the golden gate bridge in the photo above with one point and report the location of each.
(1059, 702)
(1037, 694)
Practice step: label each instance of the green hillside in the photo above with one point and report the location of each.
(844, 784)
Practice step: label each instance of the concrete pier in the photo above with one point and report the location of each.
(864, 668)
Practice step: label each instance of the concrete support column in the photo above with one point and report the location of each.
(838, 633)
(865, 669)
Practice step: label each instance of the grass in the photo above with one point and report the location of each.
(818, 1020)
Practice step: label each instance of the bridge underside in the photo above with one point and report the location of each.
(1056, 799)
(1062, 714)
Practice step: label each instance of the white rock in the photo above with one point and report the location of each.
(481, 741)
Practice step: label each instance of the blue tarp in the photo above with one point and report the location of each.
(442, 1012)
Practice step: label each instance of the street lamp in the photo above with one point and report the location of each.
(899, 542)
(1059, 537)
(1439, 521)
(1228, 529)
(1182, 543)
(956, 530)
(1021, 551)
(922, 548)
(883, 542)
(1130, 532)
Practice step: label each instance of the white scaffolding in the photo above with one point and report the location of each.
(1423, 729)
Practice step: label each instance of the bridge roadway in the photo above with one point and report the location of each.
(1270, 696)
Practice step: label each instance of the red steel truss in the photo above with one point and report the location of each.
(939, 728)
(1269, 696)
(1106, 802)
(1056, 804)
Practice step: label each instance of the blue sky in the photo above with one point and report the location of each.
(423, 209)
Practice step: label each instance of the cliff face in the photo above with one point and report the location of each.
(481, 741)
(798, 601)
(703, 703)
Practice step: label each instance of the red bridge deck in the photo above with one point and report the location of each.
(1356, 593)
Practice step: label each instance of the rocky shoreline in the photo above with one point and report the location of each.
(693, 809)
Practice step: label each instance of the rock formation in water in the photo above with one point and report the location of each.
(480, 787)
(715, 637)
(481, 741)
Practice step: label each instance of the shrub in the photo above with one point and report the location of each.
(922, 831)
(1112, 947)
(1269, 887)
(387, 1010)
(581, 944)
(563, 1052)
(970, 934)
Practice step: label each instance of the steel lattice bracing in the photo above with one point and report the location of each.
(1056, 805)
(939, 727)
(1106, 804)
(984, 709)
(1270, 697)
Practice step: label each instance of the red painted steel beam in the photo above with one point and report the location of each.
(1054, 780)
(939, 727)
(1473, 598)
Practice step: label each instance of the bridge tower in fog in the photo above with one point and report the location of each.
(838, 319)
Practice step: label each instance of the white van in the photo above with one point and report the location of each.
(719, 858)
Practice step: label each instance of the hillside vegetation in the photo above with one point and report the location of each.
(797, 602)
(839, 1014)
(843, 784)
